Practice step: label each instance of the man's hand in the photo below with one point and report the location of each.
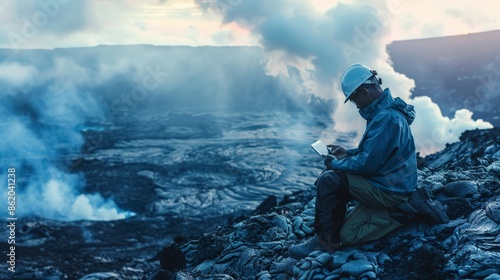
(338, 151)
(328, 161)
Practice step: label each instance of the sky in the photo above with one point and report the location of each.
(306, 46)
(70, 23)
(318, 39)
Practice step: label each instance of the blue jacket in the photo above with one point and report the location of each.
(386, 153)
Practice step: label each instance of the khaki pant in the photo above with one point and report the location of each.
(371, 218)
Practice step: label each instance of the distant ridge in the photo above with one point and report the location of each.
(475, 34)
(460, 71)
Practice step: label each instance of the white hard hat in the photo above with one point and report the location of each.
(355, 76)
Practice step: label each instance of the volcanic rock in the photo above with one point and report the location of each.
(460, 189)
(463, 177)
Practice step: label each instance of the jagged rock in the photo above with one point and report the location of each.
(493, 151)
(468, 247)
(163, 274)
(101, 275)
(493, 276)
(281, 268)
(458, 208)
(495, 167)
(493, 211)
(460, 189)
(267, 205)
(357, 268)
(483, 230)
(473, 144)
(474, 246)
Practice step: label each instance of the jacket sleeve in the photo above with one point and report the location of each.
(381, 141)
(352, 151)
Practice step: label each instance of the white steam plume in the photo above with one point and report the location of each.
(41, 112)
(321, 45)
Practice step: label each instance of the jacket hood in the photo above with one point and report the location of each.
(386, 101)
(405, 109)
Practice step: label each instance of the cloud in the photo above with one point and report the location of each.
(15, 74)
(69, 23)
(58, 199)
(57, 93)
(321, 45)
(49, 96)
(434, 130)
(25, 22)
(39, 24)
(461, 17)
(224, 37)
(331, 41)
(44, 104)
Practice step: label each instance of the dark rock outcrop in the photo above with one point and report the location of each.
(464, 177)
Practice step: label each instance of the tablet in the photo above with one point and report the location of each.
(320, 148)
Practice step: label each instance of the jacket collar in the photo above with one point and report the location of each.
(370, 111)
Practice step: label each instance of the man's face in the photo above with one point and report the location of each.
(360, 97)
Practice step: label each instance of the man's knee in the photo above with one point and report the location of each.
(331, 181)
(366, 224)
(331, 178)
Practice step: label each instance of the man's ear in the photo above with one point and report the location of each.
(365, 91)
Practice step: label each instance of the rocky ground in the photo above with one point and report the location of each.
(464, 178)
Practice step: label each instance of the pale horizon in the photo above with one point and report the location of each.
(61, 24)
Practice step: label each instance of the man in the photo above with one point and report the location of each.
(381, 174)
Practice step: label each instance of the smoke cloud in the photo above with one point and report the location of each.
(42, 110)
(321, 45)
(49, 96)
(435, 130)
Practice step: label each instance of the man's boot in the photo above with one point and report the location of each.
(420, 202)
